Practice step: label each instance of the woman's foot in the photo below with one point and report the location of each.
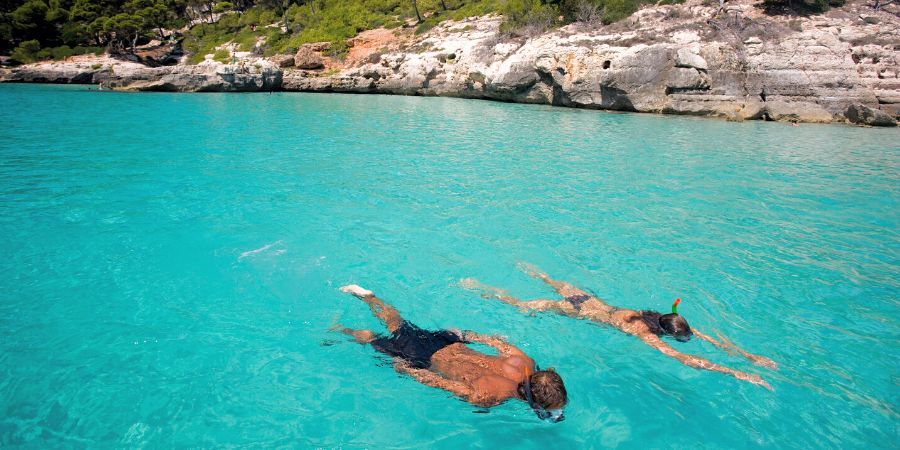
(485, 290)
(532, 270)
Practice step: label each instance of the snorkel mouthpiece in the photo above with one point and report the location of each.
(675, 305)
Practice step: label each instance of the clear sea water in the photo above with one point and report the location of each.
(171, 263)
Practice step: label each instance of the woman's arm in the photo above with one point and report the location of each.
(700, 363)
(727, 345)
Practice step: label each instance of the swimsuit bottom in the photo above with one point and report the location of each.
(577, 300)
(415, 345)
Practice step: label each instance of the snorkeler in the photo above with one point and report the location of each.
(649, 326)
(441, 359)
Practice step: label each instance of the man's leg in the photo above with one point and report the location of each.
(361, 336)
(387, 313)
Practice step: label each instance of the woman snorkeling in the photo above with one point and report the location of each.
(649, 326)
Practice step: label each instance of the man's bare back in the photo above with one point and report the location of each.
(492, 379)
(442, 359)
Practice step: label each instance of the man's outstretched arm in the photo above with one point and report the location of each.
(700, 363)
(432, 379)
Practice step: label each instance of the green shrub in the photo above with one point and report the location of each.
(427, 24)
(222, 56)
(26, 52)
(80, 50)
(609, 11)
(31, 51)
(528, 17)
(259, 16)
(222, 7)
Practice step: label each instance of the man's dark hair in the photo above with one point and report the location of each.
(548, 389)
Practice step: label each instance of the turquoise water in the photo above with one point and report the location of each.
(171, 263)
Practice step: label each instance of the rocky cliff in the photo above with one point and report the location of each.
(736, 63)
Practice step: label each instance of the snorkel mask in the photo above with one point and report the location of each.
(551, 415)
(675, 325)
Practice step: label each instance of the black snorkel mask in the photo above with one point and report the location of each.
(685, 337)
(552, 415)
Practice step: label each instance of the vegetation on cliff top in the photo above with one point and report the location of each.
(43, 29)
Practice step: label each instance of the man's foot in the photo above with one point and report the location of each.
(357, 291)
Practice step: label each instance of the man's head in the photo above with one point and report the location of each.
(547, 394)
(675, 326)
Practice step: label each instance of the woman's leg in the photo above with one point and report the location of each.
(524, 305)
(564, 289)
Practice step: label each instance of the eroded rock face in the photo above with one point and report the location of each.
(208, 76)
(205, 77)
(760, 69)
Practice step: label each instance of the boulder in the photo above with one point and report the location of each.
(308, 59)
(864, 115)
(318, 46)
(686, 58)
(282, 60)
(681, 78)
(791, 111)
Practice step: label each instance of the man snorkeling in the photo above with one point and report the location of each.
(441, 359)
(649, 326)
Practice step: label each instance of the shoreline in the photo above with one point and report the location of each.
(460, 97)
(837, 67)
(485, 99)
